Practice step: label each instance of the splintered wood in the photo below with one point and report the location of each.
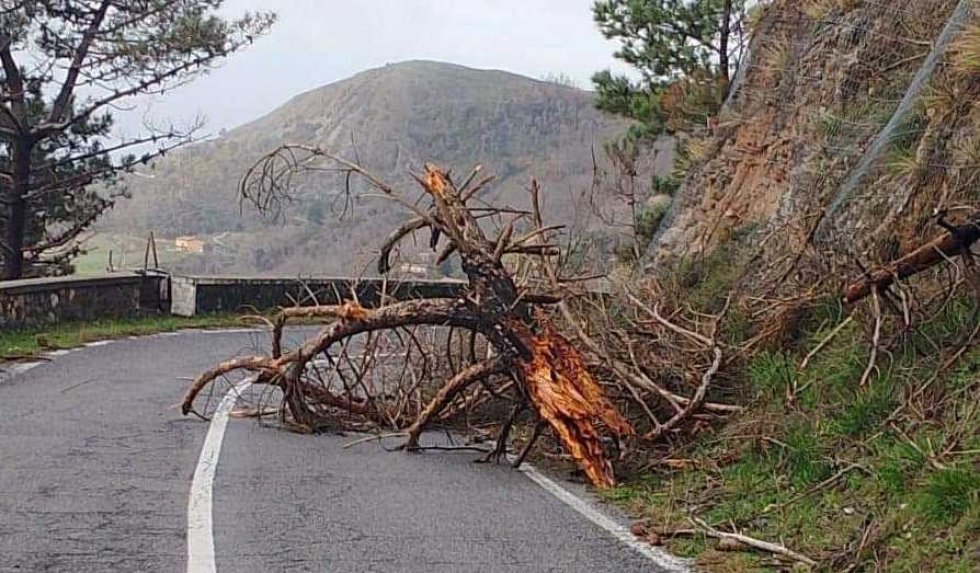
(569, 399)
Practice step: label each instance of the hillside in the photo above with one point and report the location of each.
(841, 134)
(824, 237)
(393, 119)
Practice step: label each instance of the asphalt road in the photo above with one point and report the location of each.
(96, 465)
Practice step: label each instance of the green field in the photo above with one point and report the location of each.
(127, 253)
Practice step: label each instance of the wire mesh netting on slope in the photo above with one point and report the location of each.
(847, 116)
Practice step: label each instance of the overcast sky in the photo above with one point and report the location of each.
(316, 42)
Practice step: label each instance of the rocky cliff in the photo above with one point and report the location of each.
(852, 125)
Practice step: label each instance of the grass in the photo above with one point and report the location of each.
(818, 10)
(707, 280)
(948, 495)
(836, 465)
(902, 158)
(854, 122)
(901, 163)
(966, 51)
(966, 152)
(21, 344)
(771, 373)
(128, 252)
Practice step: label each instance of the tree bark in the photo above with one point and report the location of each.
(955, 242)
(725, 41)
(16, 211)
(450, 390)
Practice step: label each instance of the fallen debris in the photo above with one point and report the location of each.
(550, 372)
(955, 242)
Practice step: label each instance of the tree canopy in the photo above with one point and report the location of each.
(684, 51)
(64, 66)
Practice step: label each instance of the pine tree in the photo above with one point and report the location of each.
(684, 50)
(64, 65)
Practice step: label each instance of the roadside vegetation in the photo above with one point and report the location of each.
(883, 472)
(31, 343)
(851, 335)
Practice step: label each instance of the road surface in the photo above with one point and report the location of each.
(96, 466)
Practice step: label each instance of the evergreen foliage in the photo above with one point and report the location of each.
(64, 65)
(685, 52)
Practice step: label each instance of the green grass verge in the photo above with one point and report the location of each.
(885, 477)
(22, 344)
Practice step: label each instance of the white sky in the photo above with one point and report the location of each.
(316, 42)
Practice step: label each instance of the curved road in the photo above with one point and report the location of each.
(96, 466)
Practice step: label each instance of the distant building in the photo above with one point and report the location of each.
(419, 265)
(413, 269)
(189, 244)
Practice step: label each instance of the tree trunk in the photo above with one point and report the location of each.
(16, 213)
(725, 41)
(954, 243)
(553, 372)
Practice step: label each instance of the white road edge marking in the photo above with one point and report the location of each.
(200, 528)
(22, 367)
(661, 558)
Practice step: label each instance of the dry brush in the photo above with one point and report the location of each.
(502, 344)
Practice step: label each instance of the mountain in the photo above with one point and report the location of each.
(393, 119)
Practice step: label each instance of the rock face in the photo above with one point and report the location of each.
(394, 119)
(823, 82)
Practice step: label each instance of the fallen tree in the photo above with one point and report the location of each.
(955, 242)
(547, 372)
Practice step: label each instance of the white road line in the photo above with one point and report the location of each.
(23, 367)
(229, 331)
(200, 528)
(660, 558)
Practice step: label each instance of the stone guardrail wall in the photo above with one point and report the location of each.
(35, 303)
(192, 296)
